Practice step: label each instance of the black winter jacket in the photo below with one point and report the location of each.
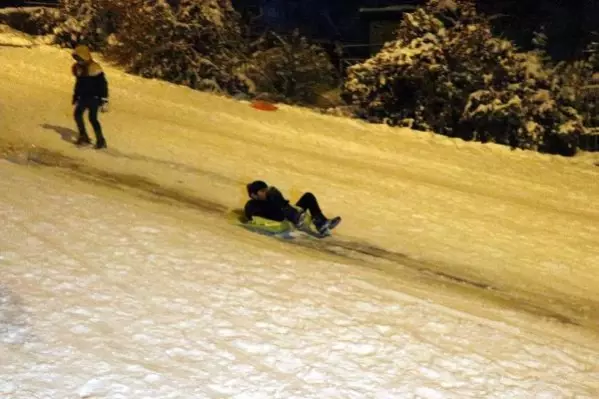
(91, 82)
(275, 197)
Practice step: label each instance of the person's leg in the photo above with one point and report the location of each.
(263, 209)
(94, 106)
(309, 202)
(294, 215)
(78, 115)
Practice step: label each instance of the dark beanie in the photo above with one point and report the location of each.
(256, 186)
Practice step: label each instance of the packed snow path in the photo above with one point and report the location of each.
(85, 272)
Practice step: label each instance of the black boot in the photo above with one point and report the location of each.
(83, 140)
(100, 144)
(323, 224)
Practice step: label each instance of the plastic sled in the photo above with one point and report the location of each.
(263, 105)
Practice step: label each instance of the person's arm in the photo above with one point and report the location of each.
(249, 210)
(77, 87)
(103, 87)
(276, 197)
(99, 81)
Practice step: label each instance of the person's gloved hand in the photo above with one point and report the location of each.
(104, 105)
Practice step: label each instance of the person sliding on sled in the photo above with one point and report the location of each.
(90, 93)
(269, 203)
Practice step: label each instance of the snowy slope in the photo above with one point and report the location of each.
(521, 225)
(108, 296)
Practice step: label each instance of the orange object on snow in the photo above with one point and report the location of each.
(263, 105)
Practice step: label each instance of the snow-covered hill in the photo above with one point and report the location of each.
(108, 294)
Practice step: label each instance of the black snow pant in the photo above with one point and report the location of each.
(269, 210)
(92, 105)
(310, 203)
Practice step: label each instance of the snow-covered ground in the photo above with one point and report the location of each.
(121, 278)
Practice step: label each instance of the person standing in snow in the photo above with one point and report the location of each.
(269, 203)
(90, 93)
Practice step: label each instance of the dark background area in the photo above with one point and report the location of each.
(15, 3)
(568, 24)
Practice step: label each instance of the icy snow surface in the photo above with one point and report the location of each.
(105, 292)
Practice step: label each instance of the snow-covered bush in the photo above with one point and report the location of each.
(593, 52)
(575, 85)
(33, 21)
(446, 72)
(46, 20)
(578, 84)
(197, 43)
(291, 68)
(88, 22)
(192, 42)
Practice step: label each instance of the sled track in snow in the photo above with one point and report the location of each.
(352, 250)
